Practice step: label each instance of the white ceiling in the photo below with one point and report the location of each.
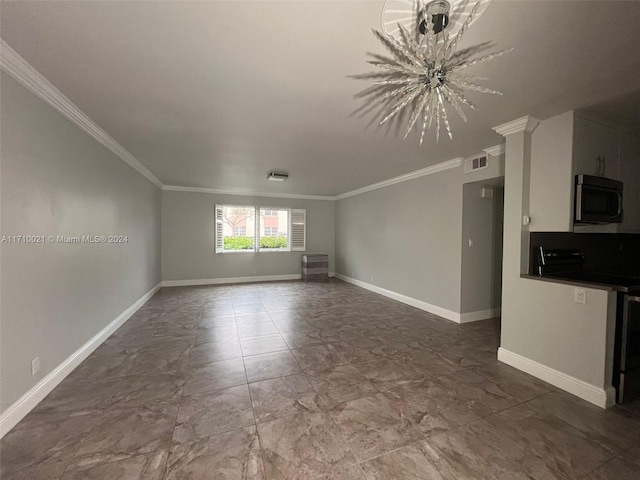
(217, 94)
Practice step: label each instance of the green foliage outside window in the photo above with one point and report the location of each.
(246, 243)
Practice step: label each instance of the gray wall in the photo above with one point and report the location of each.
(188, 235)
(56, 180)
(482, 262)
(405, 238)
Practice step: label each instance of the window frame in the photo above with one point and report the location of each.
(219, 230)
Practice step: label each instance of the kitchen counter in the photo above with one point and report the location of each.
(598, 281)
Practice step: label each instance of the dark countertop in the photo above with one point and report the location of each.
(599, 281)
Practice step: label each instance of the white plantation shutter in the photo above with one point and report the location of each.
(256, 230)
(219, 231)
(298, 229)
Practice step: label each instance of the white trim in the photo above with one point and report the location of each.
(439, 167)
(414, 302)
(230, 280)
(496, 150)
(479, 315)
(602, 397)
(522, 124)
(16, 66)
(16, 412)
(245, 193)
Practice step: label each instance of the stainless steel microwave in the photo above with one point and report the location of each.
(598, 200)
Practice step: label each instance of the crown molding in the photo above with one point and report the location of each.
(250, 193)
(523, 124)
(16, 66)
(439, 167)
(496, 150)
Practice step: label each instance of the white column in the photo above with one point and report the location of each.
(516, 196)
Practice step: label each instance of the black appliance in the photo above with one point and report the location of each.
(598, 200)
(568, 264)
(626, 374)
(557, 261)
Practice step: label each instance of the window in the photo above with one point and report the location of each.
(257, 229)
(235, 228)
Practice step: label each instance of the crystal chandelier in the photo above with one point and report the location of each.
(425, 72)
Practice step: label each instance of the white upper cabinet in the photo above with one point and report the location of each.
(629, 174)
(595, 146)
(551, 175)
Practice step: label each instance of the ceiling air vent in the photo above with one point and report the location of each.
(473, 164)
(277, 176)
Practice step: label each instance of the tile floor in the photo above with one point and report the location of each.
(310, 381)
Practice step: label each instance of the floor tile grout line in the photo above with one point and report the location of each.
(182, 394)
(255, 418)
(617, 456)
(326, 410)
(497, 412)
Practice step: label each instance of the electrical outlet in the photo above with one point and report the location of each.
(580, 295)
(35, 365)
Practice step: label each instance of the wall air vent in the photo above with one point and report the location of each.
(473, 164)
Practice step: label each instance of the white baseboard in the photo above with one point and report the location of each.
(414, 302)
(16, 412)
(602, 397)
(222, 281)
(479, 315)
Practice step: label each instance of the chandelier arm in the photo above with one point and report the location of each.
(379, 113)
(437, 121)
(482, 59)
(369, 75)
(431, 40)
(399, 68)
(417, 111)
(477, 88)
(381, 102)
(444, 113)
(395, 47)
(453, 99)
(424, 124)
(381, 90)
(390, 61)
(454, 43)
(395, 81)
(400, 105)
(410, 43)
(367, 108)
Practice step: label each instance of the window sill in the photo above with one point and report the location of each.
(259, 251)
